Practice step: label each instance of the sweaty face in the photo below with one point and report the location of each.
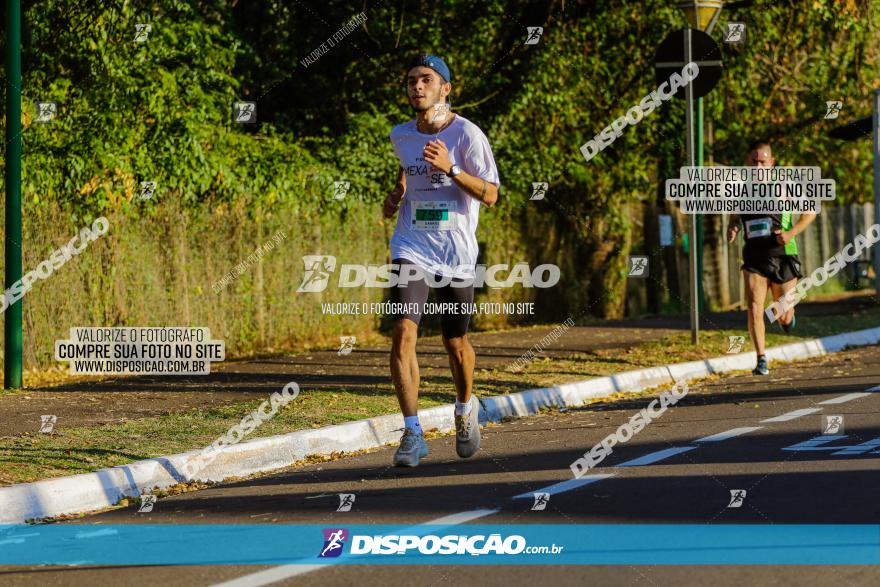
(760, 157)
(424, 87)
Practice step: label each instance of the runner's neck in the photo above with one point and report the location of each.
(424, 127)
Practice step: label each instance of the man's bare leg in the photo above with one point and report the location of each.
(405, 374)
(779, 290)
(467, 423)
(461, 361)
(405, 366)
(756, 293)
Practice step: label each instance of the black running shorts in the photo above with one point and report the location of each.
(778, 269)
(453, 323)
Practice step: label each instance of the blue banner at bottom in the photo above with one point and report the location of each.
(542, 544)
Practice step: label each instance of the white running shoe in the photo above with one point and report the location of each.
(412, 448)
(467, 431)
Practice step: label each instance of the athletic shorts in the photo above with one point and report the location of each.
(777, 269)
(415, 294)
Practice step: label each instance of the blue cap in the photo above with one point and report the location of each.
(434, 63)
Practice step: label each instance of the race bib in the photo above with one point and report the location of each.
(435, 215)
(758, 227)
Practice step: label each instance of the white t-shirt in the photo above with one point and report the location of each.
(437, 221)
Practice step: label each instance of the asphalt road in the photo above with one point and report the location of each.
(732, 433)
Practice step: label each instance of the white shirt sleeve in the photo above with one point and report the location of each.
(478, 159)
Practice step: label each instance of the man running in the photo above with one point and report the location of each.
(447, 172)
(769, 258)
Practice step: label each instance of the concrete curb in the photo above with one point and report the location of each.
(90, 492)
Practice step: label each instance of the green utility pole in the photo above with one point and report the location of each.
(12, 324)
(698, 218)
(702, 15)
(693, 241)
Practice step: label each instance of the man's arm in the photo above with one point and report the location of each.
(733, 227)
(437, 155)
(401, 182)
(392, 200)
(477, 187)
(801, 225)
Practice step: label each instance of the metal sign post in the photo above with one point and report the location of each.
(12, 340)
(876, 127)
(692, 240)
(674, 53)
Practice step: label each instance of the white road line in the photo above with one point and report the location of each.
(729, 434)
(656, 456)
(270, 576)
(461, 517)
(564, 485)
(845, 398)
(280, 573)
(792, 415)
